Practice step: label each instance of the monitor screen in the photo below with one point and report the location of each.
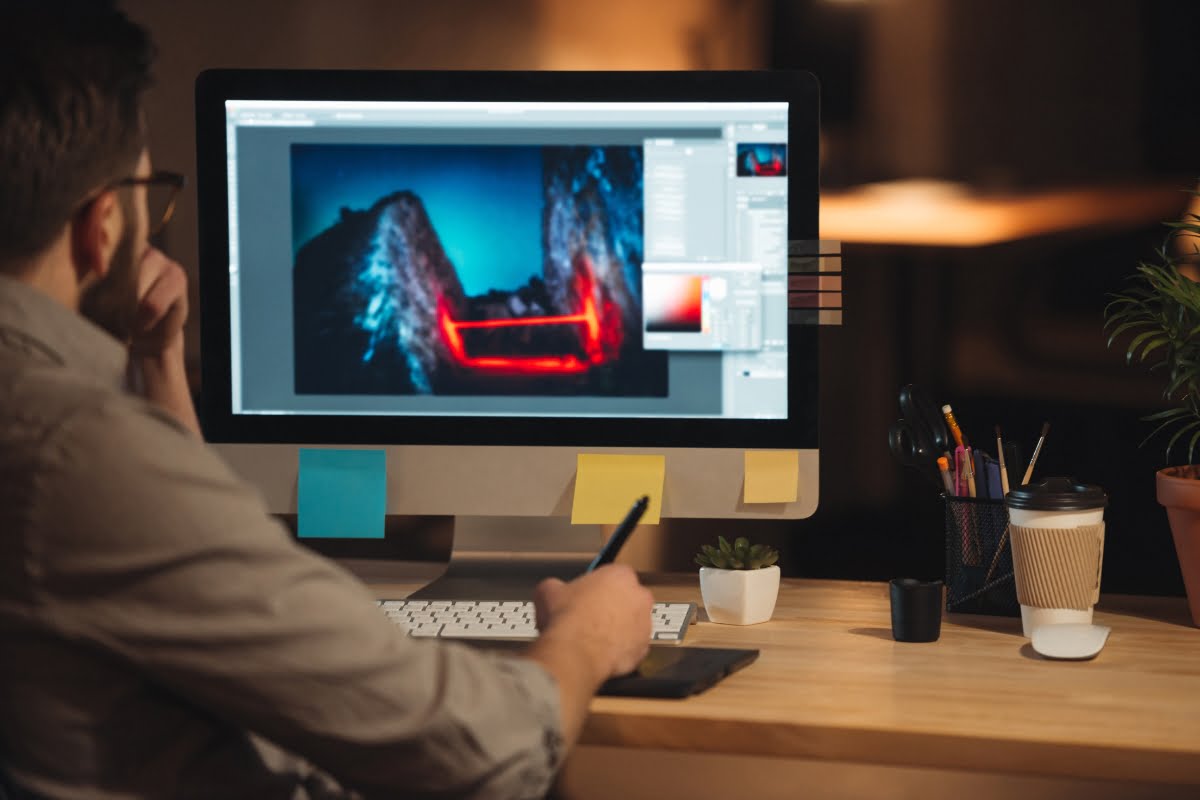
(506, 259)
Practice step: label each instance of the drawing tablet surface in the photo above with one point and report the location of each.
(678, 671)
(666, 671)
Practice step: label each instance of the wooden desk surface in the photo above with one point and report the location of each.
(830, 683)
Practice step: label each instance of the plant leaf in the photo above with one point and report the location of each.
(1194, 425)
(1153, 345)
(1170, 412)
(1192, 447)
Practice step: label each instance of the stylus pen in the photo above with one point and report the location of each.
(614, 543)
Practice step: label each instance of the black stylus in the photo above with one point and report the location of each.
(614, 543)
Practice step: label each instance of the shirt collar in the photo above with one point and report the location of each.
(32, 321)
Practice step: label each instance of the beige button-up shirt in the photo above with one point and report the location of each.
(162, 636)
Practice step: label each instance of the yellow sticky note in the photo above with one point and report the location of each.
(772, 476)
(607, 486)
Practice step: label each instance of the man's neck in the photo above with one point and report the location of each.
(51, 273)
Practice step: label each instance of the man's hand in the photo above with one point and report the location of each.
(156, 347)
(162, 307)
(592, 628)
(606, 611)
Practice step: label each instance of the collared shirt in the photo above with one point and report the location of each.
(162, 636)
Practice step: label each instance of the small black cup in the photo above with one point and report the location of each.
(916, 610)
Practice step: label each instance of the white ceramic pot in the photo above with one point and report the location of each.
(739, 596)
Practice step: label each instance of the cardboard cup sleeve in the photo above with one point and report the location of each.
(1058, 567)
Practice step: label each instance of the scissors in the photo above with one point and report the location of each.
(920, 436)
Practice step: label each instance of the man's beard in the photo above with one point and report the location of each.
(112, 302)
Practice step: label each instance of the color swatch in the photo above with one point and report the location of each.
(673, 303)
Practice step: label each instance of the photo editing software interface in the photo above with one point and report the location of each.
(581, 259)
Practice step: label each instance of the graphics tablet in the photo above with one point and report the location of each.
(678, 671)
(666, 671)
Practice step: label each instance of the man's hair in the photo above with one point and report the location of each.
(71, 122)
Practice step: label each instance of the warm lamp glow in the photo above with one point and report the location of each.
(934, 213)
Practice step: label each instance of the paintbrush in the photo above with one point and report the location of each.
(1003, 467)
(1036, 451)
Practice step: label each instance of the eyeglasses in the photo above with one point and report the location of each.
(162, 190)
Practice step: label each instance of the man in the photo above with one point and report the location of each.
(161, 636)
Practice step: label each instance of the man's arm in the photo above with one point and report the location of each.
(592, 629)
(156, 350)
(150, 550)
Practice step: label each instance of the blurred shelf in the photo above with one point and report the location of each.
(936, 214)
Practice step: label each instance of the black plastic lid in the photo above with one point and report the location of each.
(1057, 494)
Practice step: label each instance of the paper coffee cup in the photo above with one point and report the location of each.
(1057, 532)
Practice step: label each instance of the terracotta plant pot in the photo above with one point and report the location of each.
(1179, 492)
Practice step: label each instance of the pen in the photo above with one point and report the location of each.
(967, 459)
(614, 543)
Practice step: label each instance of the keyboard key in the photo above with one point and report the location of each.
(423, 631)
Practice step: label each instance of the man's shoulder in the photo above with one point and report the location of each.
(45, 408)
(37, 398)
(107, 465)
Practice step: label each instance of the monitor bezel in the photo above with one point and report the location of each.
(215, 87)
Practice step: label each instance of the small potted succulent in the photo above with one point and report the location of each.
(739, 582)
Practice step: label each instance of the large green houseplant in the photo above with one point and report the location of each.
(1158, 317)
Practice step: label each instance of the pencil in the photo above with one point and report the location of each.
(1036, 451)
(1003, 469)
(952, 424)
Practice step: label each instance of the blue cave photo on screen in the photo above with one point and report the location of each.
(470, 270)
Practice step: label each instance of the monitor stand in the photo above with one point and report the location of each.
(504, 558)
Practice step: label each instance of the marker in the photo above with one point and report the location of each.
(1036, 451)
(947, 481)
(617, 540)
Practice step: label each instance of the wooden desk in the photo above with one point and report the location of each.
(831, 684)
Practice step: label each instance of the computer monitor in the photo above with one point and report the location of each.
(490, 273)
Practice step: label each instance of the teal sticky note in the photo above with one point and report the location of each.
(342, 494)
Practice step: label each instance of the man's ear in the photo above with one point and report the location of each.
(95, 234)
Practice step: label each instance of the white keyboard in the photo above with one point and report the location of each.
(466, 619)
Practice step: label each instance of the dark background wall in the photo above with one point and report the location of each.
(984, 97)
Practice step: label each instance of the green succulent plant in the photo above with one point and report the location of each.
(739, 555)
(1160, 313)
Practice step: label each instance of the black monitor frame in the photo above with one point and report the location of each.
(214, 87)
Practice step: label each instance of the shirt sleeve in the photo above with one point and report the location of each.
(155, 551)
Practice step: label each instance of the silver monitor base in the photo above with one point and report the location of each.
(504, 558)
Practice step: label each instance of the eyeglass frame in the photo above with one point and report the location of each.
(172, 180)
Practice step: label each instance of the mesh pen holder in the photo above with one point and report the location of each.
(979, 562)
